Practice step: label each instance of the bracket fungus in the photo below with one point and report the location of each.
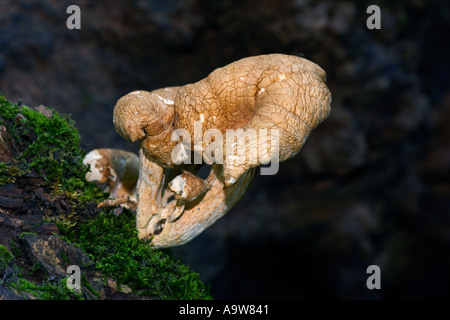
(224, 119)
(115, 172)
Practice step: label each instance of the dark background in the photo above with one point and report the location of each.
(371, 185)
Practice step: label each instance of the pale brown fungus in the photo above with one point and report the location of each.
(283, 93)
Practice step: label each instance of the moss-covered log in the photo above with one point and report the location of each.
(49, 220)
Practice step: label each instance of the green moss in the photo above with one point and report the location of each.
(112, 242)
(47, 290)
(5, 258)
(50, 148)
(16, 278)
(47, 146)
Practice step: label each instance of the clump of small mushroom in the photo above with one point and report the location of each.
(279, 97)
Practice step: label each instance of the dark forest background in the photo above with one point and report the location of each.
(372, 183)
